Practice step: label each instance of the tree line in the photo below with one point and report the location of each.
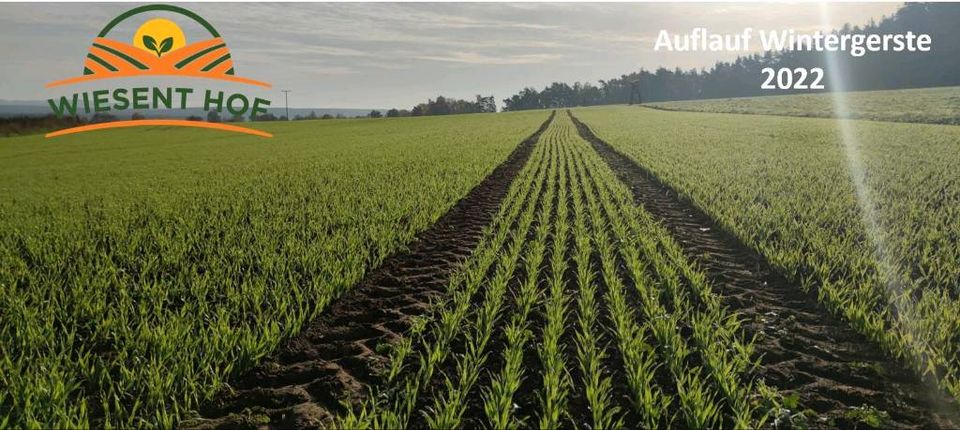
(442, 106)
(742, 77)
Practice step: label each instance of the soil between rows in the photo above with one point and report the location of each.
(304, 382)
(526, 399)
(805, 350)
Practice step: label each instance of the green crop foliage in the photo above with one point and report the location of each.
(783, 186)
(393, 409)
(572, 266)
(499, 396)
(552, 352)
(141, 269)
(922, 105)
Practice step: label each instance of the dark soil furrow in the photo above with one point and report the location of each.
(805, 350)
(302, 384)
(473, 415)
(613, 366)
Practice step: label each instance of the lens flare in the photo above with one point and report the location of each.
(891, 275)
(848, 137)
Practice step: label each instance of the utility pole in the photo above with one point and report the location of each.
(286, 102)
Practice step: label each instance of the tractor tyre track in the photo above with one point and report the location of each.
(334, 358)
(805, 350)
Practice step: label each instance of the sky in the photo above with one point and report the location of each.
(382, 55)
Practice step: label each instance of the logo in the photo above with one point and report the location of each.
(159, 48)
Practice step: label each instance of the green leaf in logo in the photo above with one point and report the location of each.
(150, 43)
(165, 45)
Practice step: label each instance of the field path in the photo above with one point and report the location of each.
(302, 384)
(805, 351)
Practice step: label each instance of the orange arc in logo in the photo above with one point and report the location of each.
(110, 59)
(159, 122)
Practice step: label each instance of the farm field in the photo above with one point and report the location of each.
(394, 216)
(581, 320)
(139, 270)
(601, 267)
(924, 105)
(883, 256)
(579, 305)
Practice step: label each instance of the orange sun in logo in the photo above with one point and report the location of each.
(159, 36)
(158, 48)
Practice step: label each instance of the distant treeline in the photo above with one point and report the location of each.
(443, 106)
(19, 126)
(742, 77)
(23, 125)
(311, 115)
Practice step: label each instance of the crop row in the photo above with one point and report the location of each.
(864, 212)
(140, 270)
(573, 267)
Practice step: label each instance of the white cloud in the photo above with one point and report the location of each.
(476, 58)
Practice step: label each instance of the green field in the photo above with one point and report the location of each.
(924, 105)
(149, 275)
(139, 269)
(565, 208)
(784, 185)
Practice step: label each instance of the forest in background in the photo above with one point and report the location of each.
(742, 77)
